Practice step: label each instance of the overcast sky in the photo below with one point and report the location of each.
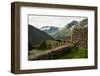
(39, 21)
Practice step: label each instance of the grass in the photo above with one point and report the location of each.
(75, 53)
(49, 44)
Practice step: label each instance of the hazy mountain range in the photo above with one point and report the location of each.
(50, 29)
(52, 32)
(63, 33)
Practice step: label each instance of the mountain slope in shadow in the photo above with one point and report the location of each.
(35, 36)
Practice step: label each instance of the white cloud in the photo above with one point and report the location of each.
(39, 21)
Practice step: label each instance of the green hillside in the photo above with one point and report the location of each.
(65, 32)
(62, 34)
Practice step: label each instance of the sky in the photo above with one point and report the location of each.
(39, 21)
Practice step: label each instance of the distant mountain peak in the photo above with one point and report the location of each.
(49, 29)
(45, 28)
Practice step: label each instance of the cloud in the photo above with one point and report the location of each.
(39, 21)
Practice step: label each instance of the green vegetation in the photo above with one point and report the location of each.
(35, 35)
(62, 34)
(49, 44)
(69, 42)
(73, 54)
(65, 31)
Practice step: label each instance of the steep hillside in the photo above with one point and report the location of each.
(84, 22)
(71, 24)
(66, 31)
(35, 36)
(80, 34)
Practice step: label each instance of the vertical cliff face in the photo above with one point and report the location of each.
(80, 36)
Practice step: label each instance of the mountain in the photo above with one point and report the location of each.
(84, 23)
(66, 31)
(71, 24)
(35, 36)
(49, 29)
(62, 34)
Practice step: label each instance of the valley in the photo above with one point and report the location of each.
(51, 42)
